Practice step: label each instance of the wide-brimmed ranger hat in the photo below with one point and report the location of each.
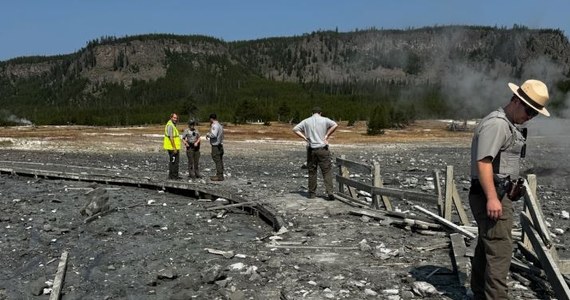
(534, 93)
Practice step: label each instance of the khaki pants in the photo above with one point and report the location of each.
(320, 157)
(493, 253)
(218, 158)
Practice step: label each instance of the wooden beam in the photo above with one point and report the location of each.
(448, 192)
(531, 178)
(437, 185)
(536, 215)
(379, 183)
(249, 203)
(351, 201)
(461, 264)
(353, 165)
(355, 184)
(564, 265)
(405, 194)
(59, 277)
(446, 222)
(346, 174)
(327, 247)
(459, 206)
(548, 263)
(376, 214)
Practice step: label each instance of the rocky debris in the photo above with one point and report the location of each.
(97, 201)
(424, 289)
(211, 273)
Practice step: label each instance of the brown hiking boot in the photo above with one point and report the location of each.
(216, 178)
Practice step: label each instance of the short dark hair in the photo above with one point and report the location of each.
(213, 116)
(192, 122)
(317, 109)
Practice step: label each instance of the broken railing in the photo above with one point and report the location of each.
(535, 241)
(348, 190)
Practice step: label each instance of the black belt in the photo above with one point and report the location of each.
(319, 148)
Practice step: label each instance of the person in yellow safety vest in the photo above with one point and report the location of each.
(171, 143)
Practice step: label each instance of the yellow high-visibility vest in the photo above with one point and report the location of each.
(166, 144)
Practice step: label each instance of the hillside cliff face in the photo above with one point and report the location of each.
(420, 55)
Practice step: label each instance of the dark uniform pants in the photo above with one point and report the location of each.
(173, 164)
(320, 157)
(218, 158)
(193, 162)
(493, 253)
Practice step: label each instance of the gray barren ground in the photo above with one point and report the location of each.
(158, 245)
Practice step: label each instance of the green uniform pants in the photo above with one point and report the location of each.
(218, 158)
(320, 157)
(193, 162)
(493, 253)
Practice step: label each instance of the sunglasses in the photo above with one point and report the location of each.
(531, 112)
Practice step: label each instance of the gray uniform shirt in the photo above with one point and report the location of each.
(190, 138)
(498, 138)
(315, 128)
(216, 134)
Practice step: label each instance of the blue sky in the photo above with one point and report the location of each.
(39, 27)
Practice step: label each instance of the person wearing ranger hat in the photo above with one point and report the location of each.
(191, 139)
(498, 145)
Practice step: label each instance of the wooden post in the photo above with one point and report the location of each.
(438, 191)
(378, 183)
(344, 173)
(459, 205)
(448, 192)
(340, 169)
(531, 178)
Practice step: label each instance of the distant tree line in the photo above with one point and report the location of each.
(197, 84)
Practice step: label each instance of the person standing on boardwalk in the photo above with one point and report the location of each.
(191, 139)
(216, 137)
(316, 130)
(497, 146)
(171, 143)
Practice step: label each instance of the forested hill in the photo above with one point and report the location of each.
(448, 71)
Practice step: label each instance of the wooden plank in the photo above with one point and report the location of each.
(341, 173)
(327, 247)
(531, 178)
(249, 203)
(548, 263)
(346, 174)
(528, 252)
(378, 183)
(459, 206)
(353, 165)
(405, 194)
(519, 266)
(355, 184)
(437, 185)
(448, 193)
(376, 214)
(446, 222)
(461, 263)
(536, 215)
(564, 266)
(351, 201)
(59, 277)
